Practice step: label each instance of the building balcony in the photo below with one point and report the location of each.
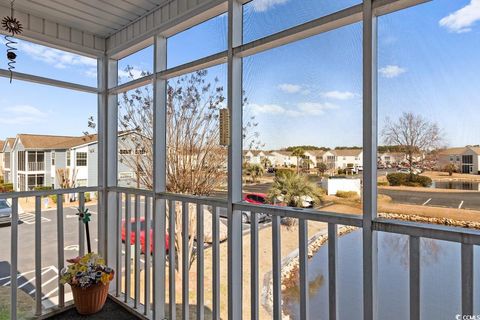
(36, 166)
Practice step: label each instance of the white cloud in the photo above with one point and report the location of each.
(302, 109)
(391, 71)
(339, 95)
(315, 108)
(290, 88)
(21, 115)
(264, 5)
(136, 73)
(56, 58)
(463, 19)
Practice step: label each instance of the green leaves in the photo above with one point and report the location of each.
(83, 215)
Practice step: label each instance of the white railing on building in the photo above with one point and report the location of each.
(36, 166)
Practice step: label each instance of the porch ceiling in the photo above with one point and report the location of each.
(100, 17)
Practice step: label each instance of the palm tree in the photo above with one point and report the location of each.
(265, 162)
(255, 171)
(299, 153)
(292, 189)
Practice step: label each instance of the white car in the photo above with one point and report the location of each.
(5, 212)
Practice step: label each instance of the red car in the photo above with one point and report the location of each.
(256, 198)
(142, 234)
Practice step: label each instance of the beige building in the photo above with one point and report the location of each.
(466, 159)
(2, 143)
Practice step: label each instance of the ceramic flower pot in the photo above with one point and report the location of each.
(90, 300)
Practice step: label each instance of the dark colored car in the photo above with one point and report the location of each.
(142, 234)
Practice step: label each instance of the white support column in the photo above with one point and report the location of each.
(370, 161)
(159, 177)
(102, 77)
(107, 149)
(235, 32)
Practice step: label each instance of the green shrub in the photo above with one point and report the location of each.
(87, 197)
(397, 178)
(342, 171)
(53, 198)
(7, 187)
(342, 176)
(382, 183)
(410, 180)
(423, 181)
(346, 194)
(282, 172)
(42, 188)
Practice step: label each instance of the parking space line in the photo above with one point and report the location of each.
(425, 203)
(460, 205)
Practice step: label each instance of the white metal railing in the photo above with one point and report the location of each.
(150, 299)
(36, 166)
(14, 268)
(467, 238)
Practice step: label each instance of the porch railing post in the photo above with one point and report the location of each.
(107, 160)
(235, 252)
(159, 177)
(370, 161)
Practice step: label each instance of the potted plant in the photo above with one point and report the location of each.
(88, 276)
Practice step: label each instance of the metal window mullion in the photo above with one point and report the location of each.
(60, 249)
(370, 161)
(234, 95)
(14, 259)
(467, 279)
(414, 275)
(38, 255)
(159, 177)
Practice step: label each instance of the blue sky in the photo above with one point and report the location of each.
(308, 92)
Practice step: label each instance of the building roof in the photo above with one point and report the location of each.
(2, 143)
(283, 152)
(452, 151)
(348, 152)
(36, 141)
(316, 153)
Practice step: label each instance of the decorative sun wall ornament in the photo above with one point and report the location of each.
(13, 27)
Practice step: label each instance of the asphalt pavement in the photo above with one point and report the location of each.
(448, 199)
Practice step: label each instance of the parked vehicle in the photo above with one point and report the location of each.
(5, 212)
(255, 198)
(142, 234)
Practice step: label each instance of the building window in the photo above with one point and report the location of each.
(7, 160)
(21, 182)
(82, 159)
(68, 158)
(53, 158)
(35, 180)
(21, 160)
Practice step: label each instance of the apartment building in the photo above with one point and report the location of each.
(32, 161)
(466, 159)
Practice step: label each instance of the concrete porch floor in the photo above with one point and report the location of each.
(111, 310)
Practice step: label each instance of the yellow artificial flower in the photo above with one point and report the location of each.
(105, 278)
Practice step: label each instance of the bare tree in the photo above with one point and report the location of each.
(196, 163)
(413, 133)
